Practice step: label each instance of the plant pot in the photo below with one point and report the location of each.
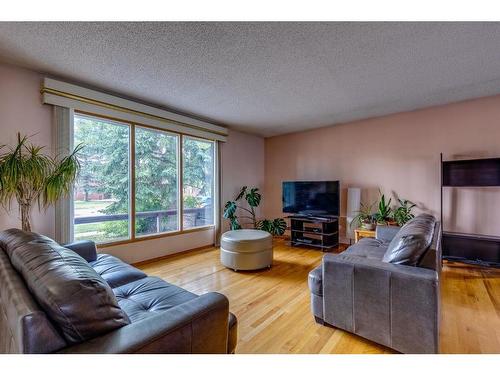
(368, 226)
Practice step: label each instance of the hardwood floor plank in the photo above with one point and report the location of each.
(274, 315)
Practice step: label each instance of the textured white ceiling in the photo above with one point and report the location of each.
(268, 78)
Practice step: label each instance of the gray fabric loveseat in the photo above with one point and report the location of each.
(56, 299)
(385, 289)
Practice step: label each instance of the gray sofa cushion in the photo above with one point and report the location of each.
(369, 248)
(70, 292)
(386, 233)
(411, 242)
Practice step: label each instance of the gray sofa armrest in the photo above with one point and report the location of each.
(85, 248)
(386, 233)
(197, 326)
(395, 305)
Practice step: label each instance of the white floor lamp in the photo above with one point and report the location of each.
(353, 207)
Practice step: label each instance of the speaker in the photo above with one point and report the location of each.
(353, 206)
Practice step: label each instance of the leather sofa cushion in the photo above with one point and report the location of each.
(85, 248)
(71, 293)
(24, 326)
(315, 281)
(411, 242)
(114, 271)
(145, 297)
(142, 298)
(369, 248)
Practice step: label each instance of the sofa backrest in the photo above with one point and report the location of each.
(24, 326)
(432, 258)
(75, 298)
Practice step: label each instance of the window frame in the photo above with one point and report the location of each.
(212, 190)
(132, 183)
(179, 169)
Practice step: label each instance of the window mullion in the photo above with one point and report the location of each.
(180, 179)
(132, 181)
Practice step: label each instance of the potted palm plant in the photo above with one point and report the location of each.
(32, 177)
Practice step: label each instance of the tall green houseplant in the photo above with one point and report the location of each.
(30, 176)
(252, 197)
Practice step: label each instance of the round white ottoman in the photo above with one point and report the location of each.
(246, 249)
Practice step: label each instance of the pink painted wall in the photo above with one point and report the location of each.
(242, 165)
(400, 155)
(21, 110)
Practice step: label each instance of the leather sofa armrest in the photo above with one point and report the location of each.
(386, 233)
(196, 326)
(85, 248)
(395, 305)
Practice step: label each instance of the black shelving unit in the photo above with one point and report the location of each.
(321, 233)
(468, 247)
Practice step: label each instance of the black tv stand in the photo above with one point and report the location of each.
(319, 232)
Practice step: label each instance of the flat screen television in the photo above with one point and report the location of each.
(311, 198)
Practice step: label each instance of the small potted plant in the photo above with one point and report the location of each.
(364, 218)
(384, 215)
(403, 214)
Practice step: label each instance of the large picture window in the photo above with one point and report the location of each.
(132, 181)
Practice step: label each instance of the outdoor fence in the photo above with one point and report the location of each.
(197, 217)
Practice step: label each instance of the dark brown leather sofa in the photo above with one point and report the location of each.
(56, 299)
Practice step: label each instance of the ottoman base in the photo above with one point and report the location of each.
(246, 261)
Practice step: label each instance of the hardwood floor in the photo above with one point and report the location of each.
(470, 309)
(272, 306)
